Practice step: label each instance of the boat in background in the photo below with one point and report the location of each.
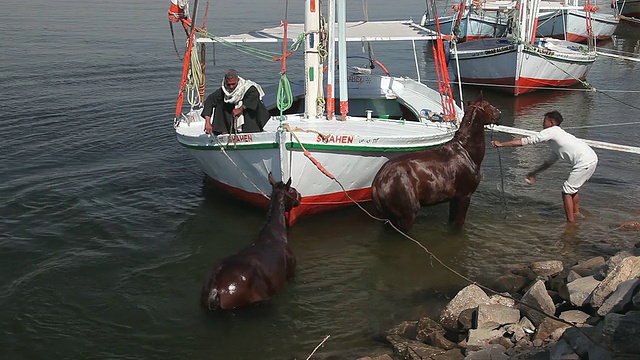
(629, 8)
(469, 21)
(574, 24)
(331, 153)
(523, 63)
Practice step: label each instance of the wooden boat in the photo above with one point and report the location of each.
(575, 25)
(469, 21)
(523, 63)
(331, 158)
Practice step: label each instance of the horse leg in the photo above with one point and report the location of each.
(461, 206)
(453, 209)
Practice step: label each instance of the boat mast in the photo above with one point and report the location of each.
(342, 58)
(331, 60)
(312, 69)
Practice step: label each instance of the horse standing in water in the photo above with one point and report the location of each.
(448, 173)
(260, 270)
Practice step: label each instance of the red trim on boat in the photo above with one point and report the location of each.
(524, 85)
(309, 205)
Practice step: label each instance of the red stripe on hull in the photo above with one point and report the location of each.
(309, 205)
(524, 85)
(583, 39)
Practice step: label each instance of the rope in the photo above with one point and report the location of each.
(284, 98)
(195, 79)
(258, 53)
(504, 196)
(236, 165)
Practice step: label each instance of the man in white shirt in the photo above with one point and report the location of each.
(566, 147)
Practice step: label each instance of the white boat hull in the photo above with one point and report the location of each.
(571, 25)
(629, 8)
(519, 69)
(473, 26)
(351, 151)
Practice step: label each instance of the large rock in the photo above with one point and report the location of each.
(480, 338)
(537, 298)
(586, 268)
(511, 283)
(575, 317)
(546, 268)
(412, 349)
(628, 268)
(621, 299)
(492, 351)
(621, 332)
(467, 298)
(580, 290)
(493, 316)
(548, 327)
(407, 329)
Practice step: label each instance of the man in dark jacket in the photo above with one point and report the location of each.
(236, 106)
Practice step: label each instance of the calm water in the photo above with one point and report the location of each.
(107, 231)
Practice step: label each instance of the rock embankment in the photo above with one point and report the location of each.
(543, 310)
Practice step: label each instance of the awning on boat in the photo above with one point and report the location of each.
(356, 31)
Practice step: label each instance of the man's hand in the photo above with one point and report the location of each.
(238, 111)
(531, 178)
(496, 143)
(208, 128)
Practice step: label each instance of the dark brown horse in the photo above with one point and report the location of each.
(260, 270)
(448, 173)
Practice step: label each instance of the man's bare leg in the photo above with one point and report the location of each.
(576, 205)
(567, 199)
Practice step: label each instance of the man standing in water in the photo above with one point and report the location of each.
(236, 106)
(566, 147)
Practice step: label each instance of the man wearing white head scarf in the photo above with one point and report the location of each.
(236, 107)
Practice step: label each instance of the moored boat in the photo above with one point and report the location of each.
(523, 63)
(331, 158)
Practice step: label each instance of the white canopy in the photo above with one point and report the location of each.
(356, 31)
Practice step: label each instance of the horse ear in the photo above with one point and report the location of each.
(272, 181)
(288, 182)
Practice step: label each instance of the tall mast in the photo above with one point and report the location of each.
(331, 61)
(342, 57)
(312, 69)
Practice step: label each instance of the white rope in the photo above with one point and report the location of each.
(592, 143)
(602, 125)
(618, 56)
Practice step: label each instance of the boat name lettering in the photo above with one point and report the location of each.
(497, 50)
(339, 139)
(358, 79)
(240, 138)
(368, 141)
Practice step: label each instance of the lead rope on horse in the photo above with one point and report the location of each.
(236, 165)
(504, 195)
(426, 250)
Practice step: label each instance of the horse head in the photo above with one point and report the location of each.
(291, 195)
(482, 112)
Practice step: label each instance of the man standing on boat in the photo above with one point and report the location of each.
(236, 106)
(566, 147)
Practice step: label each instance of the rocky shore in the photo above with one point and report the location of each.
(542, 310)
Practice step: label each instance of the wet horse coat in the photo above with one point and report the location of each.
(448, 173)
(260, 270)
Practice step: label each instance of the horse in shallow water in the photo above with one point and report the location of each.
(260, 270)
(447, 173)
